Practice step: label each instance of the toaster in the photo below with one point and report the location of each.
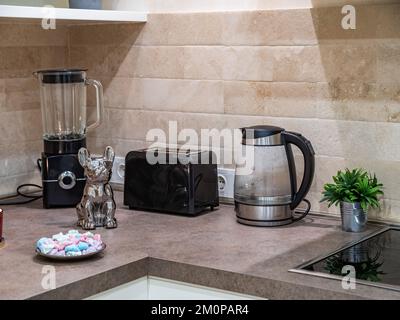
(185, 182)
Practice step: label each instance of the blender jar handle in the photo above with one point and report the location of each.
(99, 102)
(309, 164)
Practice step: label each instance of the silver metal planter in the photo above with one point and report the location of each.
(354, 218)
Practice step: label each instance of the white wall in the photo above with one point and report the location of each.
(136, 5)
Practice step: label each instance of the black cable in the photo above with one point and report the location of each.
(305, 212)
(39, 164)
(28, 195)
(11, 203)
(11, 200)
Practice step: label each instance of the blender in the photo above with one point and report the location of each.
(63, 105)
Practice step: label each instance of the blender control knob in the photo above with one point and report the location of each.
(67, 180)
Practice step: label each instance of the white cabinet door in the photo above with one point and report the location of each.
(134, 290)
(153, 288)
(163, 289)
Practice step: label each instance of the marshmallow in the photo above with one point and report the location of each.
(70, 244)
(83, 246)
(45, 245)
(72, 247)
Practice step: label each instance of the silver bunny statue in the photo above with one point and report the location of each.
(97, 207)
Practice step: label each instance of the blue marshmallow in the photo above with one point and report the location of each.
(83, 246)
(72, 248)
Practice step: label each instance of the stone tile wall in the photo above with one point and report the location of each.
(294, 68)
(24, 48)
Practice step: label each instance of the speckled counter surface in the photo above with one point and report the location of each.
(211, 250)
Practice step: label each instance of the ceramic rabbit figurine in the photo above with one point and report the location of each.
(97, 207)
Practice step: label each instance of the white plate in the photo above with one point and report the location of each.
(69, 258)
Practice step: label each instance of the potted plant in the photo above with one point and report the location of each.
(355, 191)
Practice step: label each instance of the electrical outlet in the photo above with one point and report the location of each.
(226, 180)
(118, 171)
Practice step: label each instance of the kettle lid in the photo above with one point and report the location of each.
(260, 131)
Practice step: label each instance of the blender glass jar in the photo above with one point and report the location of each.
(63, 103)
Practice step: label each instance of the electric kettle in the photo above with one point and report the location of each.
(267, 195)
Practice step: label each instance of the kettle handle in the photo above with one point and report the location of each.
(309, 164)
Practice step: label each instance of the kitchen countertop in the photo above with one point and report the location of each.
(211, 250)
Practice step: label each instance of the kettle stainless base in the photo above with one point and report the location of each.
(267, 216)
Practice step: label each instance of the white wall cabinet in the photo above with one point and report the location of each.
(71, 15)
(153, 288)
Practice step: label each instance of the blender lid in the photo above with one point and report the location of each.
(261, 131)
(62, 75)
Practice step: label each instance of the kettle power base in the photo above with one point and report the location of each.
(264, 216)
(268, 216)
(266, 223)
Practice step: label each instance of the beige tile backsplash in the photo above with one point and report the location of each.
(24, 48)
(294, 68)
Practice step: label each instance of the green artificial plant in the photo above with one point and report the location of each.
(352, 186)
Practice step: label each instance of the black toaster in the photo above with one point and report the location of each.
(179, 182)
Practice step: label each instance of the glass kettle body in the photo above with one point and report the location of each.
(268, 195)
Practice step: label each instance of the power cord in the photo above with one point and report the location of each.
(31, 196)
(25, 197)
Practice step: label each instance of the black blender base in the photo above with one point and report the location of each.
(56, 197)
(63, 179)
